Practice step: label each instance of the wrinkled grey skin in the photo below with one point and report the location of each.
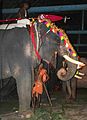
(17, 58)
(16, 62)
(70, 86)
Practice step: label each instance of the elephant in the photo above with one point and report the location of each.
(78, 81)
(19, 54)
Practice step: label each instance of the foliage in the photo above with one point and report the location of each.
(44, 114)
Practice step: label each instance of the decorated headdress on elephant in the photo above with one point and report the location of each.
(57, 36)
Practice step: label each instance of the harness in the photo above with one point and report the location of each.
(34, 42)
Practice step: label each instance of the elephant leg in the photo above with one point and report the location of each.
(24, 92)
(68, 84)
(73, 86)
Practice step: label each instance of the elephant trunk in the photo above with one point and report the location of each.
(73, 61)
(72, 64)
(67, 74)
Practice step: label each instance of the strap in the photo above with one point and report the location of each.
(33, 42)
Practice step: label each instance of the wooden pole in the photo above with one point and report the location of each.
(49, 99)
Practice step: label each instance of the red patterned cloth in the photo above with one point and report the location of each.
(53, 18)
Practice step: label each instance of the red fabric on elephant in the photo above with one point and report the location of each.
(53, 17)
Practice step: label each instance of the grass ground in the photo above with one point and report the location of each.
(59, 111)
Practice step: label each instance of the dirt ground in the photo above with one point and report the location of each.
(61, 110)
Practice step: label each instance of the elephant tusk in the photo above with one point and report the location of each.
(82, 74)
(78, 67)
(73, 61)
(79, 73)
(78, 77)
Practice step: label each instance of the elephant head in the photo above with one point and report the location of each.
(69, 54)
(54, 39)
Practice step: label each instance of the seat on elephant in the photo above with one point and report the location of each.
(20, 23)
